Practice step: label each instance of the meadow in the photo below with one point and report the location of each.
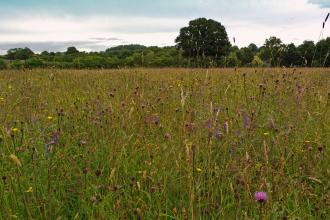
(165, 144)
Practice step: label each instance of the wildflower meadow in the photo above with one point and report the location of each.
(165, 144)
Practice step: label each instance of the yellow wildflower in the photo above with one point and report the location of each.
(29, 190)
(199, 169)
(266, 133)
(14, 129)
(49, 118)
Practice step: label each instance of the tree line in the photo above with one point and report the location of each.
(203, 43)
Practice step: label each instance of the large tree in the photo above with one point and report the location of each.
(204, 39)
(272, 51)
(71, 51)
(292, 56)
(307, 51)
(322, 53)
(19, 54)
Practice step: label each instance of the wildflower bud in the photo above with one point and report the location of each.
(167, 136)
(98, 172)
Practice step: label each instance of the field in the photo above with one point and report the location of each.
(165, 144)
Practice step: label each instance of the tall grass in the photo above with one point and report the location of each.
(165, 144)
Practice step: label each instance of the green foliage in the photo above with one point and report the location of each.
(232, 59)
(272, 51)
(90, 62)
(16, 64)
(257, 61)
(292, 57)
(34, 62)
(307, 50)
(323, 52)
(3, 64)
(245, 55)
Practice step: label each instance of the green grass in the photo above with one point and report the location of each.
(151, 144)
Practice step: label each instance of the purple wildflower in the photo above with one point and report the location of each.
(246, 121)
(154, 120)
(237, 133)
(260, 196)
(209, 124)
(55, 137)
(217, 133)
(225, 127)
(232, 151)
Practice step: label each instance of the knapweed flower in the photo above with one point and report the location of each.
(154, 120)
(209, 124)
(217, 133)
(260, 196)
(246, 121)
(226, 127)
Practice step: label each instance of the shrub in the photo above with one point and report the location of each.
(3, 64)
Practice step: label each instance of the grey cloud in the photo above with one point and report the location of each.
(105, 39)
(54, 46)
(128, 29)
(11, 30)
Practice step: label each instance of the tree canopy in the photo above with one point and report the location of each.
(203, 39)
(19, 53)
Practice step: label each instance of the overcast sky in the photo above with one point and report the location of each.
(93, 25)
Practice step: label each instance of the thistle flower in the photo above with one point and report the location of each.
(260, 196)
